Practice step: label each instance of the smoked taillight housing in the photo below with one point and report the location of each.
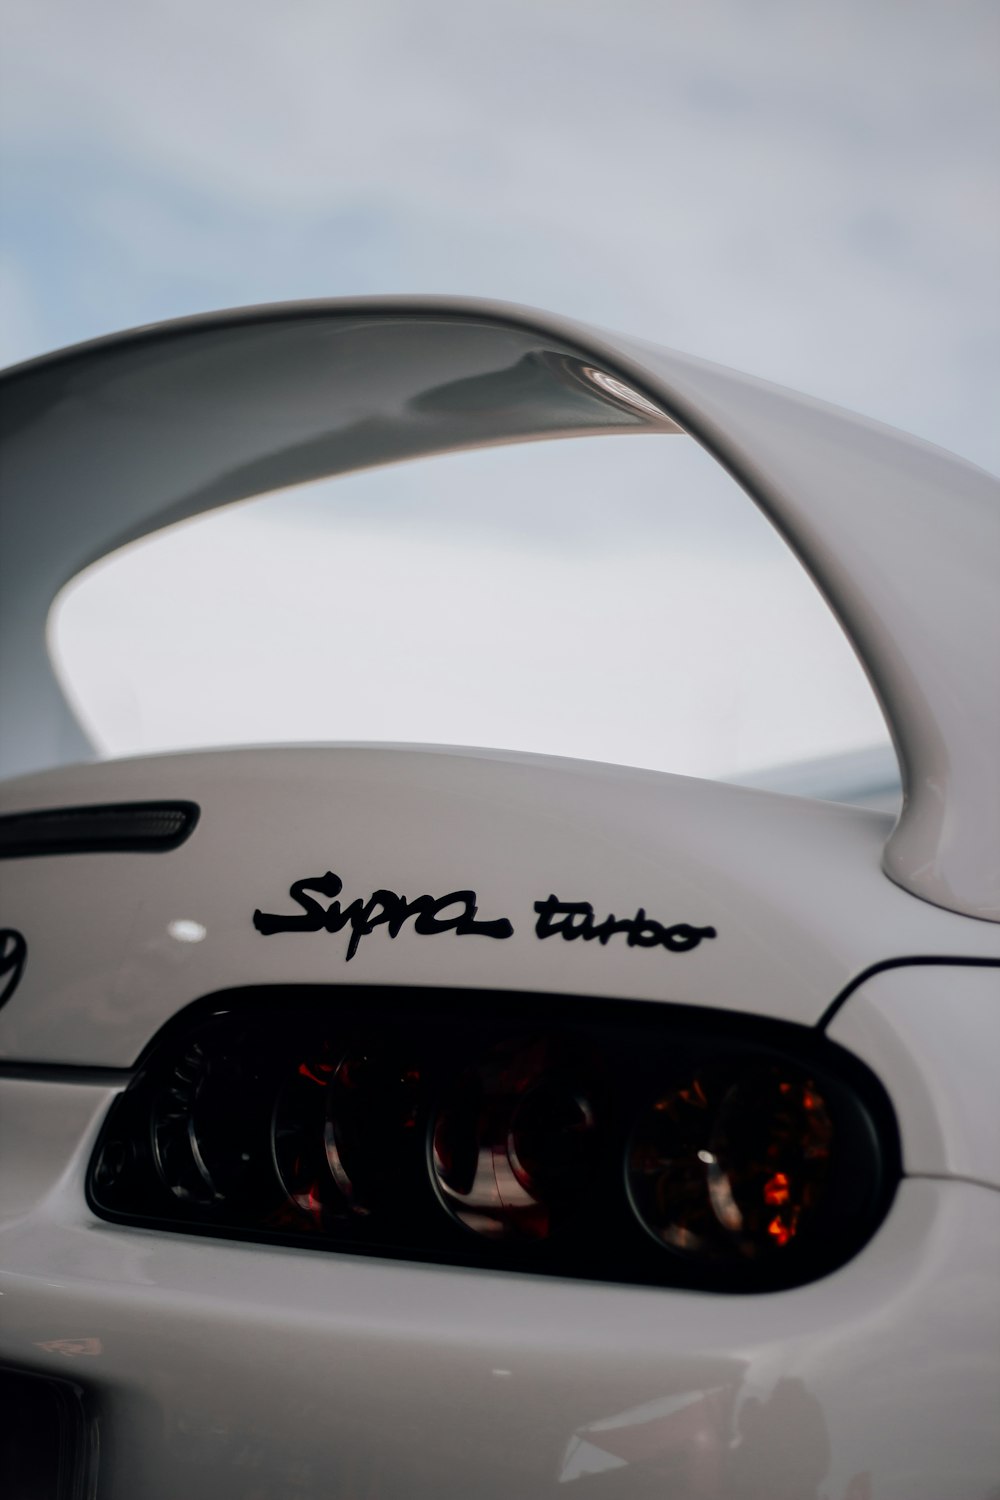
(600, 1138)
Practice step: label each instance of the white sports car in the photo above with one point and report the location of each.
(670, 1168)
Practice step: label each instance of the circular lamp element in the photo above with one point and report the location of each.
(312, 1198)
(513, 1144)
(734, 1162)
(209, 1119)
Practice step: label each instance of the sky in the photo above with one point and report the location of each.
(805, 192)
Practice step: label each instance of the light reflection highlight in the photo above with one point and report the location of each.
(184, 930)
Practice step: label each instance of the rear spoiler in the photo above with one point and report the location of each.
(108, 441)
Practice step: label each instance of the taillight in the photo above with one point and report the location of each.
(208, 1117)
(609, 1139)
(515, 1137)
(742, 1160)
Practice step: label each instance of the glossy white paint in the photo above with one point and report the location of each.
(247, 1371)
(42, 1122)
(793, 888)
(111, 440)
(932, 1034)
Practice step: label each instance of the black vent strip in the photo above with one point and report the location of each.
(120, 827)
(48, 1445)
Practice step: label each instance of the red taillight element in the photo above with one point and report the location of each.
(733, 1163)
(512, 1142)
(341, 1134)
(313, 1201)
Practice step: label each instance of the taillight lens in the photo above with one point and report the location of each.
(209, 1117)
(738, 1161)
(312, 1200)
(607, 1139)
(373, 1116)
(514, 1140)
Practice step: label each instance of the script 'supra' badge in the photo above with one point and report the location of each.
(456, 912)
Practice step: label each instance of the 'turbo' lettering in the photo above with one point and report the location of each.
(575, 919)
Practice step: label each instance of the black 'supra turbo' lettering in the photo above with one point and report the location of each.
(321, 910)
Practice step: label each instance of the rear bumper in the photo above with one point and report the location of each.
(218, 1369)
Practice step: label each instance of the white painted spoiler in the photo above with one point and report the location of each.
(110, 440)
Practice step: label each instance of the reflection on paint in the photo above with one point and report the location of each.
(186, 931)
(716, 1441)
(71, 1346)
(622, 392)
